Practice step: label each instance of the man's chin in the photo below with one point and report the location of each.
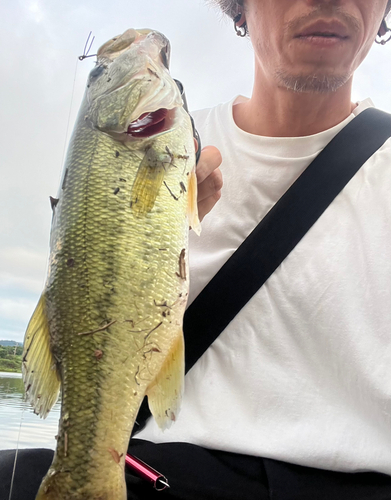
(315, 83)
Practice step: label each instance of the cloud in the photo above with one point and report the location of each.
(36, 11)
(22, 269)
(18, 309)
(16, 335)
(371, 79)
(22, 277)
(40, 43)
(14, 317)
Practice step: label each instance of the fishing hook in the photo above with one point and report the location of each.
(85, 51)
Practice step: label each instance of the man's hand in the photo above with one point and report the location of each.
(209, 180)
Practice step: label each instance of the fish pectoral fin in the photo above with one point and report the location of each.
(148, 181)
(40, 375)
(192, 209)
(165, 393)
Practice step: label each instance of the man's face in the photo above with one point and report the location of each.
(312, 45)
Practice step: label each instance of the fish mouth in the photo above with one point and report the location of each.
(153, 123)
(131, 95)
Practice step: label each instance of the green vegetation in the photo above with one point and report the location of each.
(11, 358)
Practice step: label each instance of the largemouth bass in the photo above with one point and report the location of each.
(108, 326)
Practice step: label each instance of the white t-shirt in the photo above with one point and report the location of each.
(303, 373)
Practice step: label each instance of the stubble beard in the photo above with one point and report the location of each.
(316, 82)
(321, 84)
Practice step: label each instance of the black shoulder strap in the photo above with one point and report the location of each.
(281, 230)
(278, 233)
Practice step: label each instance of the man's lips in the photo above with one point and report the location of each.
(324, 29)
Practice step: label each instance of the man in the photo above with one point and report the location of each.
(301, 375)
(293, 400)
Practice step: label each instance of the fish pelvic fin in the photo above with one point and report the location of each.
(192, 207)
(165, 394)
(40, 375)
(149, 180)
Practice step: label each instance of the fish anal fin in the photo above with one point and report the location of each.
(192, 210)
(148, 181)
(165, 394)
(40, 375)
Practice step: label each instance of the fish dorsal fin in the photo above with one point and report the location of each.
(165, 394)
(192, 210)
(40, 375)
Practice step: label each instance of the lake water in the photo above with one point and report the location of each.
(16, 414)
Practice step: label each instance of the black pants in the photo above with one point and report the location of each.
(195, 473)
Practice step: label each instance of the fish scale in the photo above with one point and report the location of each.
(115, 295)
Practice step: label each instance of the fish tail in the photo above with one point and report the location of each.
(57, 485)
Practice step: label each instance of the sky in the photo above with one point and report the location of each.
(41, 87)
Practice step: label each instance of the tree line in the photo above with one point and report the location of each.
(11, 358)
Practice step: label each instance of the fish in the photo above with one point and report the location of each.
(107, 329)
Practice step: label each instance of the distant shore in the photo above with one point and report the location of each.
(11, 359)
(5, 368)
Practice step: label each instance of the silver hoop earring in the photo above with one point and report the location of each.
(384, 34)
(240, 30)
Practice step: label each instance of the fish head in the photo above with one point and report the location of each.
(130, 92)
(152, 42)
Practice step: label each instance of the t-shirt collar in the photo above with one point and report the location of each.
(292, 147)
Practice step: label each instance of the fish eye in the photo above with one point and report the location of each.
(97, 71)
